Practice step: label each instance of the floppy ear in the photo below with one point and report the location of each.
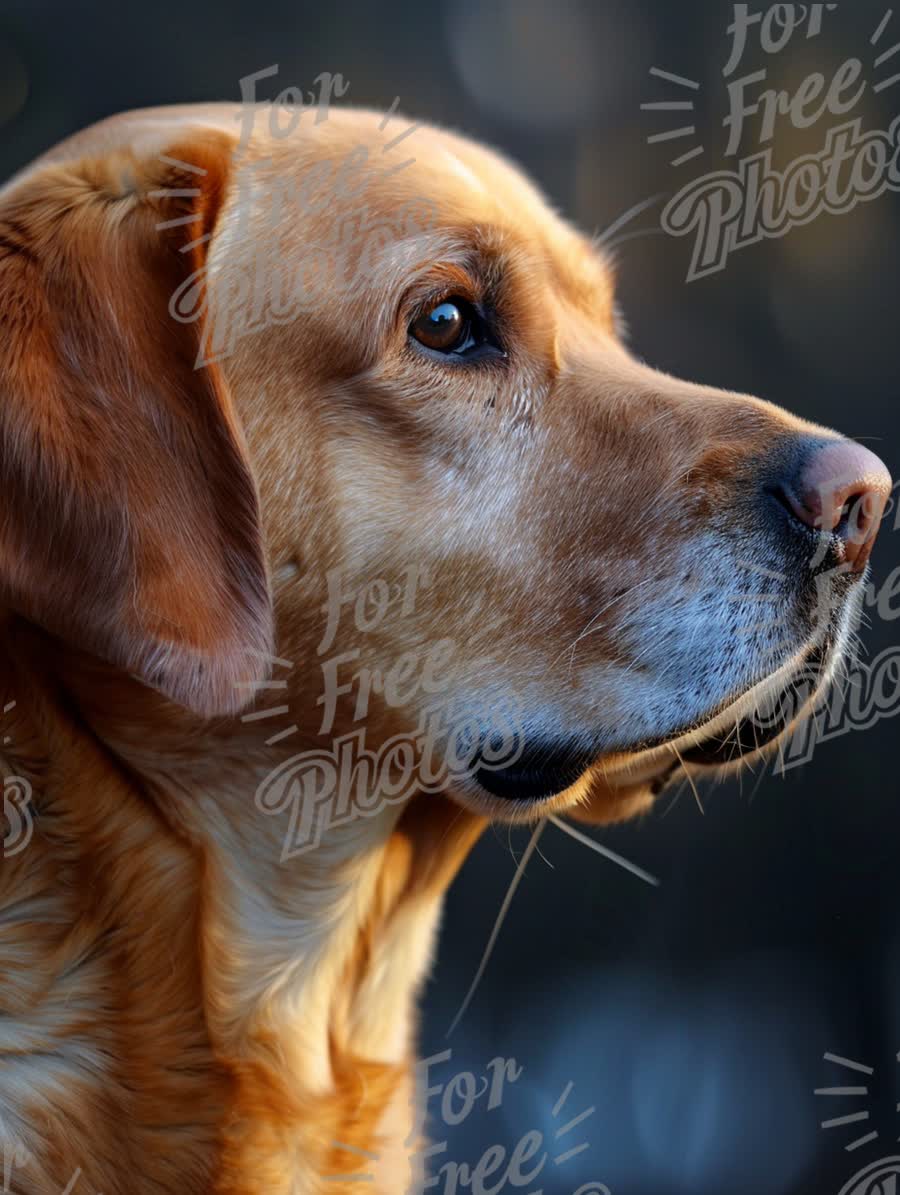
(129, 521)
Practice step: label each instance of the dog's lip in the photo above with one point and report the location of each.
(731, 735)
(725, 738)
(538, 774)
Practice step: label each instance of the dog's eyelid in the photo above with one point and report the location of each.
(482, 356)
(416, 301)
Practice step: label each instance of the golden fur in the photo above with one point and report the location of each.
(181, 1009)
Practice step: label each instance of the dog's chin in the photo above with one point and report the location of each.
(561, 774)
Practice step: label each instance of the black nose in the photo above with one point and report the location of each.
(842, 488)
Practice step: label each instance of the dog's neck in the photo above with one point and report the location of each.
(309, 966)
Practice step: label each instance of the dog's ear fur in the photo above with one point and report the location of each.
(129, 520)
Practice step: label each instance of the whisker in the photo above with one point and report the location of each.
(589, 627)
(604, 851)
(690, 779)
(498, 923)
(755, 790)
(678, 791)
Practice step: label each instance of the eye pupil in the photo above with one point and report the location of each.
(443, 315)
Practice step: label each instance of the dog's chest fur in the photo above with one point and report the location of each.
(183, 1012)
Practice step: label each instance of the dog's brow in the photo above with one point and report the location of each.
(585, 274)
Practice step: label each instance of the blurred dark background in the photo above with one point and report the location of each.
(693, 1017)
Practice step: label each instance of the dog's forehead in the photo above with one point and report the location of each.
(395, 156)
(378, 167)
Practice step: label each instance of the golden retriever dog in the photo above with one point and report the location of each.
(328, 424)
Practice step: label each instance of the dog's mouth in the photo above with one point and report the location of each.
(538, 774)
(742, 728)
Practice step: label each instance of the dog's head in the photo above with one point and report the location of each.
(378, 386)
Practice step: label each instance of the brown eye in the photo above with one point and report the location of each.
(445, 328)
(457, 329)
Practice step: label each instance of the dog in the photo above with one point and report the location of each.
(430, 477)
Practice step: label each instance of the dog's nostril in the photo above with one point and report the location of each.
(841, 488)
(809, 511)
